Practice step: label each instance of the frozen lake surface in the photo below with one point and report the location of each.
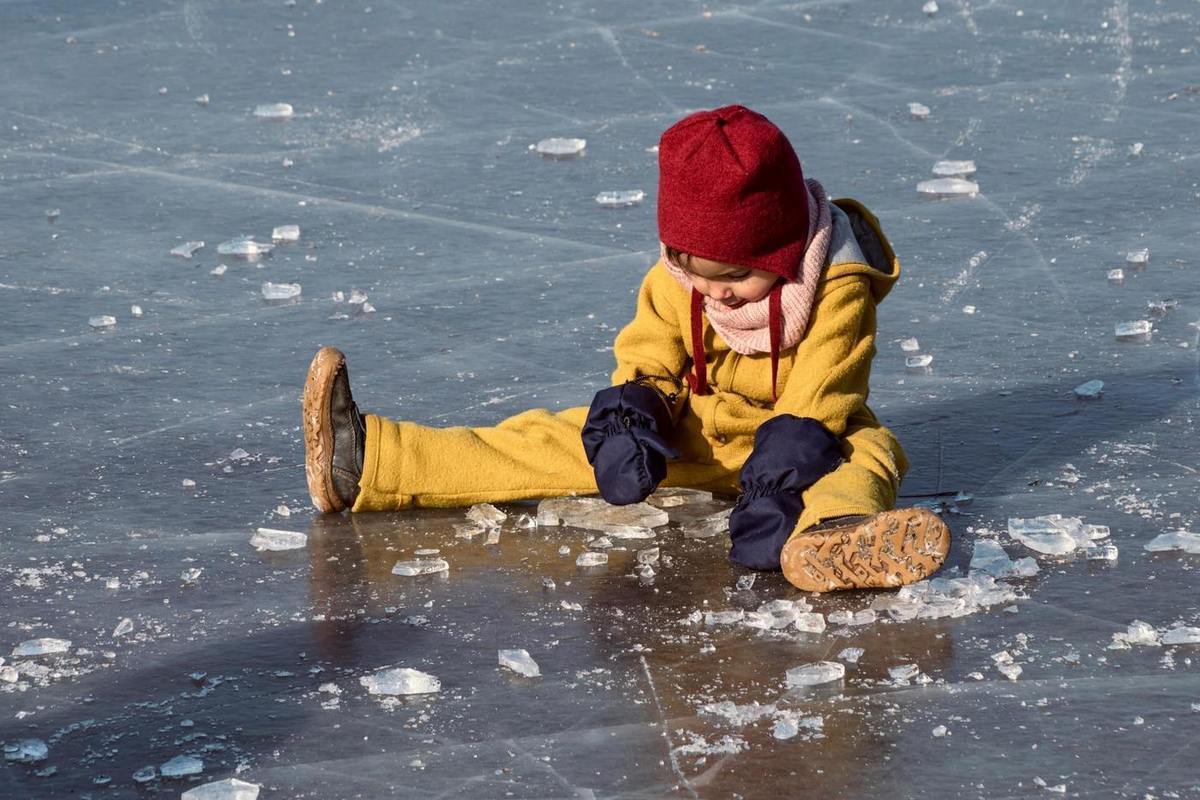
(140, 454)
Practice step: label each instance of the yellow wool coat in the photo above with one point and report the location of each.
(825, 377)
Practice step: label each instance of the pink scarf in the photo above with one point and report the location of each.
(747, 329)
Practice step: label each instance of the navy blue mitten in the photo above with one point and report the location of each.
(623, 440)
(790, 454)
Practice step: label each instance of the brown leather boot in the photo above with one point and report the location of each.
(334, 434)
(875, 552)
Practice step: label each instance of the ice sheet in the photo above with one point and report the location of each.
(498, 284)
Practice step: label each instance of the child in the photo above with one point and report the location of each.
(769, 397)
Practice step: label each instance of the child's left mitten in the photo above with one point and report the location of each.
(790, 454)
(623, 440)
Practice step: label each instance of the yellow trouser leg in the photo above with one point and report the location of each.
(865, 483)
(533, 454)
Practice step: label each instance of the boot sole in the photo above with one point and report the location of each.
(890, 549)
(318, 429)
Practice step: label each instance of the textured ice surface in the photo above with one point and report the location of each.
(500, 285)
(272, 539)
(595, 514)
(520, 662)
(228, 789)
(401, 681)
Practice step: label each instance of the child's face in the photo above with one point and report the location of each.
(729, 284)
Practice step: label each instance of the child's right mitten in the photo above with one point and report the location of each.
(790, 454)
(623, 440)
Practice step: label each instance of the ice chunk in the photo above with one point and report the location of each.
(102, 321)
(286, 233)
(594, 514)
(280, 291)
(842, 617)
(939, 731)
(678, 496)
(228, 789)
(648, 556)
(851, 655)
(809, 622)
(1138, 259)
(520, 662)
(910, 345)
(729, 617)
(1139, 632)
(919, 363)
(1176, 540)
(1052, 535)
(600, 543)
(1181, 635)
(904, 672)
(468, 530)
(147, 774)
(620, 199)
(592, 560)
(948, 187)
(486, 515)
(238, 454)
(788, 724)
(918, 110)
(989, 557)
(201, 100)
(738, 715)
(815, 674)
(273, 111)
(1116, 275)
(244, 247)
(558, 147)
(951, 169)
(136, 311)
(627, 532)
(187, 249)
(1089, 390)
(42, 647)
(710, 526)
(9, 674)
(930, 8)
(272, 539)
(218, 270)
(401, 681)
(1136, 331)
(1101, 552)
(1010, 671)
(357, 297)
(124, 627)
(746, 582)
(493, 537)
(26, 751)
(181, 767)
(421, 566)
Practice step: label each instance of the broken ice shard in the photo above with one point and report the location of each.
(1089, 390)
(931, 8)
(42, 647)
(948, 187)
(910, 345)
(558, 147)
(102, 321)
(724, 617)
(989, 557)
(595, 514)
(746, 582)
(810, 622)
(904, 672)
(229, 789)
(280, 291)
(919, 363)
(851, 655)
(421, 566)
(1010, 671)
(1136, 331)
(1051, 534)
(815, 674)
(1116, 275)
(486, 515)
(124, 627)
(1101, 552)
(1176, 540)
(1182, 634)
(274, 111)
(841, 617)
(147, 774)
(286, 233)
(271, 539)
(26, 751)
(627, 532)
(620, 199)
(591, 560)
(244, 247)
(401, 681)
(520, 662)
(952, 169)
(135, 311)
(187, 249)
(918, 110)
(181, 767)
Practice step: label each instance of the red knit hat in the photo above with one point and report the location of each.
(731, 189)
